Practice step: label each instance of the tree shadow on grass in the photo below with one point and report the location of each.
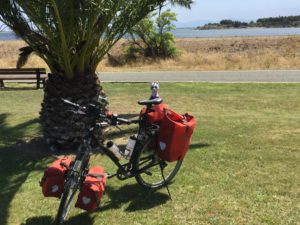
(17, 161)
(9, 134)
(83, 218)
(138, 198)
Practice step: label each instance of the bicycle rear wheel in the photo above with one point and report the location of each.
(66, 201)
(153, 172)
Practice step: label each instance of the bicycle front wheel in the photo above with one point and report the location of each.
(153, 172)
(66, 201)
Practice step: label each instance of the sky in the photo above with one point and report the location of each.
(204, 11)
(216, 10)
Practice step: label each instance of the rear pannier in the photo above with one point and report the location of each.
(157, 113)
(54, 177)
(174, 135)
(92, 189)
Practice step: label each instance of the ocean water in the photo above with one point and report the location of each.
(8, 36)
(192, 33)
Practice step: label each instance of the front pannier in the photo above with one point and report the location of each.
(174, 135)
(92, 189)
(54, 177)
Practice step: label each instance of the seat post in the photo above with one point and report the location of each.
(148, 107)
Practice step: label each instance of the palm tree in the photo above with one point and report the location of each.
(72, 37)
(182, 3)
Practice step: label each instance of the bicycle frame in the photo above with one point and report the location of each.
(124, 171)
(127, 169)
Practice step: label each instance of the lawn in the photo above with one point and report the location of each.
(242, 168)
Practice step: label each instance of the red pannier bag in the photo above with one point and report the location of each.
(92, 189)
(174, 135)
(158, 113)
(54, 177)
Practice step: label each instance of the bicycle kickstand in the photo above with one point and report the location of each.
(166, 184)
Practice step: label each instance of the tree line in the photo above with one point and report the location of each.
(281, 21)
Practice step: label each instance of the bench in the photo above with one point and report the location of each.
(38, 74)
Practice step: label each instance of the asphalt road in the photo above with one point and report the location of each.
(263, 76)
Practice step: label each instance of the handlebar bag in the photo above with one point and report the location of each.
(174, 135)
(54, 177)
(92, 189)
(158, 113)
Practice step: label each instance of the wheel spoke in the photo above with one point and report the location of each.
(149, 168)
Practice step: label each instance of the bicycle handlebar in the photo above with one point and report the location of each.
(70, 103)
(115, 120)
(93, 110)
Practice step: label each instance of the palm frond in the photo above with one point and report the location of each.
(183, 3)
(24, 56)
(2, 27)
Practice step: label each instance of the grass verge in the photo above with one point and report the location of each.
(242, 167)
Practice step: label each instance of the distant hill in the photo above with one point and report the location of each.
(271, 22)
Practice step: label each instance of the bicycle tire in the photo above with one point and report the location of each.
(66, 201)
(160, 180)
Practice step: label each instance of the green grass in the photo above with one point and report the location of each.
(242, 168)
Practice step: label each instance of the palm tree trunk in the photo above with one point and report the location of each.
(60, 126)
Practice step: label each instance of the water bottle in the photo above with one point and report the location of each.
(114, 149)
(129, 147)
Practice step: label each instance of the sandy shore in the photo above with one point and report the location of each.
(239, 53)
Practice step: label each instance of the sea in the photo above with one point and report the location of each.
(193, 33)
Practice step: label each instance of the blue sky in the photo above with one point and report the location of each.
(204, 11)
(215, 10)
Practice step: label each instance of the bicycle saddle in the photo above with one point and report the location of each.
(155, 101)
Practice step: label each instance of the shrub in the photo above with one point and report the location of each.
(152, 37)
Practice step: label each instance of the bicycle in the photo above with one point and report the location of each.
(149, 170)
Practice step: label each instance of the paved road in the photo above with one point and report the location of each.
(274, 76)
